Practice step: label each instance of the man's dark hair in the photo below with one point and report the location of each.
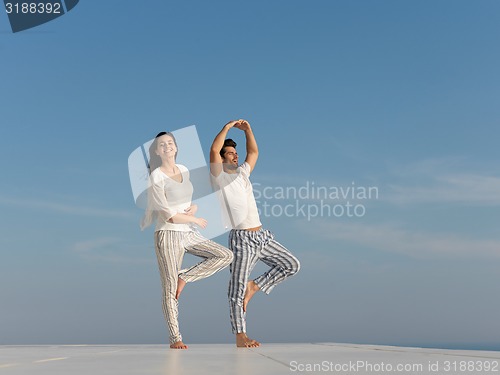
(227, 143)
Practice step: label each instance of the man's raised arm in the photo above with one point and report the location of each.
(252, 149)
(215, 158)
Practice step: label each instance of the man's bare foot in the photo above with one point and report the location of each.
(252, 288)
(180, 285)
(178, 345)
(243, 341)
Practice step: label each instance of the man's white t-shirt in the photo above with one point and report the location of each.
(236, 193)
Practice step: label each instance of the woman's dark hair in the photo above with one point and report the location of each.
(155, 160)
(227, 143)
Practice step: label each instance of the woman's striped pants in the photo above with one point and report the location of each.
(170, 248)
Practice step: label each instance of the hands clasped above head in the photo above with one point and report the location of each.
(239, 124)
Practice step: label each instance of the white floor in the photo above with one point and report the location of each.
(222, 359)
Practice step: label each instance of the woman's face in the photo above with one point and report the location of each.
(165, 147)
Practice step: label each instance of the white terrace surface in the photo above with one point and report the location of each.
(222, 359)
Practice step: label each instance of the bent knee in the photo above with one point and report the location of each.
(294, 267)
(227, 257)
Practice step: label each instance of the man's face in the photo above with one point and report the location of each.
(230, 158)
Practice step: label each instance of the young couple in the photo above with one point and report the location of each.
(169, 202)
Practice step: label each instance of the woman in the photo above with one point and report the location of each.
(169, 202)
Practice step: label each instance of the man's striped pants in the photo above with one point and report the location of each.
(248, 247)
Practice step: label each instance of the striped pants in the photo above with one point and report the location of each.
(249, 247)
(170, 248)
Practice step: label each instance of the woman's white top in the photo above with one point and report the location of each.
(166, 198)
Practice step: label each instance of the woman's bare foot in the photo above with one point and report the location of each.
(252, 288)
(180, 285)
(243, 341)
(178, 345)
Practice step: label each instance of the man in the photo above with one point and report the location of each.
(248, 241)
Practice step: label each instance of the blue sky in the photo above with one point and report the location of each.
(398, 95)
